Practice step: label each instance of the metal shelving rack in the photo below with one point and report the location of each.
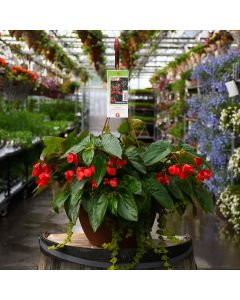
(142, 107)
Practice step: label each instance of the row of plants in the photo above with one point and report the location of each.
(38, 85)
(19, 167)
(51, 87)
(44, 44)
(17, 74)
(217, 42)
(121, 183)
(56, 110)
(16, 49)
(21, 127)
(93, 46)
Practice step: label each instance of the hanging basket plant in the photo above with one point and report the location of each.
(131, 41)
(117, 186)
(94, 47)
(42, 43)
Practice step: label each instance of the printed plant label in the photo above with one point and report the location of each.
(117, 93)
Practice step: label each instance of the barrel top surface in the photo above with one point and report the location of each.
(81, 251)
(80, 240)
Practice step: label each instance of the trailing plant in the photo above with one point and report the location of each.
(222, 37)
(42, 43)
(123, 183)
(131, 41)
(94, 47)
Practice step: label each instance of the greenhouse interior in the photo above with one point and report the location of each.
(119, 149)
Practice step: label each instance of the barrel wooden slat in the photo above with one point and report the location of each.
(81, 255)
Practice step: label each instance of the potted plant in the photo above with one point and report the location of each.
(118, 185)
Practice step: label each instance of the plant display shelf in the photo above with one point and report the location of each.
(163, 122)
(11, 158)
(190, 92)
(81, 255)
(141, 106)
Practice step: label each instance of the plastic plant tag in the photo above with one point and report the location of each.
(117, 93)
(232, 88)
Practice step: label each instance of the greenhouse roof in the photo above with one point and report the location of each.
(153, 55)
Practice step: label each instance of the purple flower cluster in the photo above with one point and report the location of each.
(212, 142)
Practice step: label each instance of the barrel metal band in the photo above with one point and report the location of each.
(105, 265)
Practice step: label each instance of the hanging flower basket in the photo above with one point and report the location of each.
(118, 186)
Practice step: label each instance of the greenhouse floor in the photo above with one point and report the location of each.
(214, 246)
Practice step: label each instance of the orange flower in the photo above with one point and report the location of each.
(3, 62)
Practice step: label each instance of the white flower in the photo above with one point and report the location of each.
(229, 205)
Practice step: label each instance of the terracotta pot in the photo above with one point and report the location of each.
(104, 233)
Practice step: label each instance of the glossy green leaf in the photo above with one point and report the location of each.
(156, 152)
(100, 164)
(127, 207)
(123, 128)
(97, 213)
(133, 184)
(97, 141)
(79, 147)
(174, 189)
(160, 193)
(135, 159)
(185, 186)
(87, 155)
(205, 199)
(53, 141)
(69, 141)
(112, 204)
(189, 149)
(53, 146)
(59, 200)
(111, 145)
(72, 204)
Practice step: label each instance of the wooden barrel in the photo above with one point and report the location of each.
(81, 255)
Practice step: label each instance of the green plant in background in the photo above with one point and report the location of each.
(22, 120)
(199, 49)
(20, 127)
(93, 46)
(59, 109)
(147, 91)
(55, 127)
(177, 130)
